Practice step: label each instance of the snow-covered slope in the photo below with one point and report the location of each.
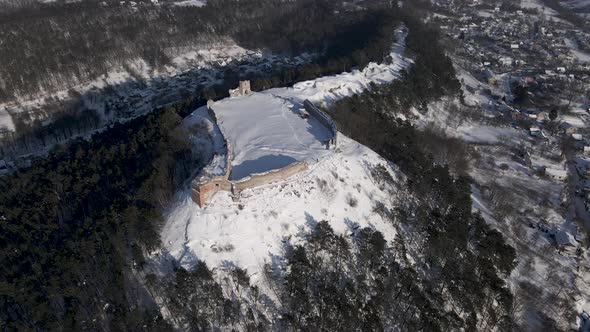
(340, 188)
(328, 89)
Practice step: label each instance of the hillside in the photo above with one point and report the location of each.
(345, 188)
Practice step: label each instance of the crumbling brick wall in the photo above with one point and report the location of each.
(202, 193)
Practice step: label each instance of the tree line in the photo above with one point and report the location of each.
(57, 45)
(71, 225)
(348, 40)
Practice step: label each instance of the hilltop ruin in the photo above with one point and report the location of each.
(268, 139)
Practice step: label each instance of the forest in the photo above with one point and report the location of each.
(462, 255)
(72, 223)
(87, 39)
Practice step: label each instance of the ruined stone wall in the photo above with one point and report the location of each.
(243, 89)
(324, 119)
(205, 188)
(203, 193)
(281, 174)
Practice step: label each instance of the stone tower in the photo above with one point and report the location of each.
(242, 90)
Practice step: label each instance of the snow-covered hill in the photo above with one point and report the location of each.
(342, 188)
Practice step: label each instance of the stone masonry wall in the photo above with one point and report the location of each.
(203, 192)
(324, 119)
(282, 174)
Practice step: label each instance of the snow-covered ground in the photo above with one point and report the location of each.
(195, 3)
(583, 57)
(268, 132)
(124, 81)
(575, 4)
(326, 90)
(538, 5)
(6, 123)
(206, 140)
(136, 87)
(265, 129)
(526, 207)
(339, 189)
(468, 130)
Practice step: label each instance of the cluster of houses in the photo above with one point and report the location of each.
(506, 39)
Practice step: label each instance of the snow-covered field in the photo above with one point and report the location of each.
(248, 234)
(267, 133)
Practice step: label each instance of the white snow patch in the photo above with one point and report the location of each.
(194, 3)
(487, 134)
(576, 52)
(326, 90)
(6, 123)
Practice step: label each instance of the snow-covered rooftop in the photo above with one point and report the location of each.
(267, 132)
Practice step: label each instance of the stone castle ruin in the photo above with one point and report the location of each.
(242, 90)
(215, 177)
(206, 185)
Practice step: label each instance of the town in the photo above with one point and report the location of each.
(525, 72)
